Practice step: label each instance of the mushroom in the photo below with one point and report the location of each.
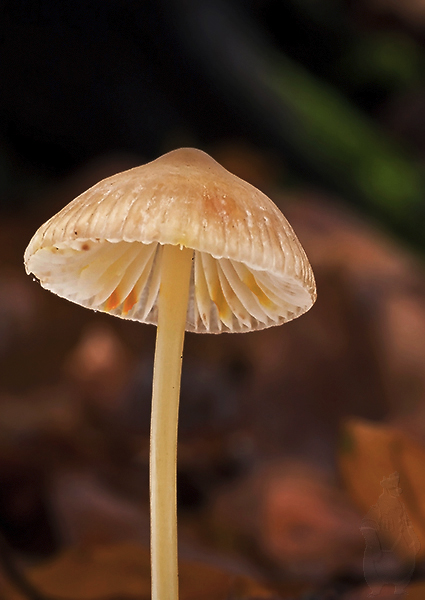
(181, 243)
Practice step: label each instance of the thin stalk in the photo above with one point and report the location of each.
(172, 309)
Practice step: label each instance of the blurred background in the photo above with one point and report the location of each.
(287, 434)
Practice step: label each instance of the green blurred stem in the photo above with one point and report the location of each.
(172, 309)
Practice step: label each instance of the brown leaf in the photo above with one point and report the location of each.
(123, 571)
(374, 459)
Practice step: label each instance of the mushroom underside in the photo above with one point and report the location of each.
(123, 279)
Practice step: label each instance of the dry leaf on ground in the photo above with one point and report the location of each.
(123, 571)
(374, 459)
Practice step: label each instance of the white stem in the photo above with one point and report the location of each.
(172, 309)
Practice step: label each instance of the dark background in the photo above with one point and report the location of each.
(321, 104)
(334, 88)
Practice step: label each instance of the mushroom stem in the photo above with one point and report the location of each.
(172, 308)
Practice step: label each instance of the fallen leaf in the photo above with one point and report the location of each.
(374, 459)
(123, 571)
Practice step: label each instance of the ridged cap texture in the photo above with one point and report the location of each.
(103, 250)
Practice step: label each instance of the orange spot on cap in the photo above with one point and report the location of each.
(129, 302)
(113, 301)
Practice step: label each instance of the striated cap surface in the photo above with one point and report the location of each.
(103, 250)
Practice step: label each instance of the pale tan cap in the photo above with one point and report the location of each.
(103, 250)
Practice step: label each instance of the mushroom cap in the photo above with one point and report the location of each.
(103, 250)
